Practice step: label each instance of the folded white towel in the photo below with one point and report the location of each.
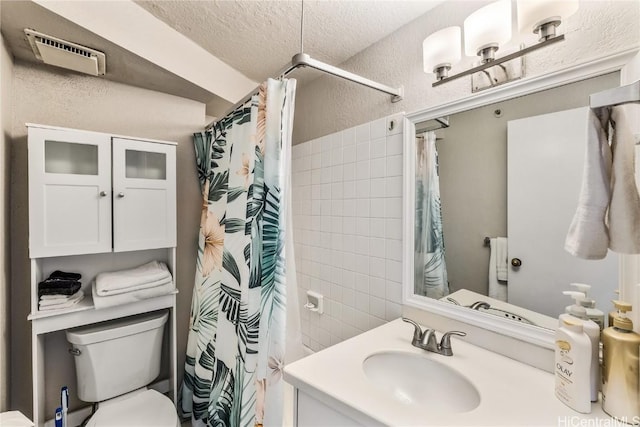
(57, 305)
(149, 275)
(68, 298)
(588, 236)
(624, 208)
(129, 297)
(497, 289)
(147, 285)
(57, 297)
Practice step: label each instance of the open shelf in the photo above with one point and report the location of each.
(85, 304)
(85, 313)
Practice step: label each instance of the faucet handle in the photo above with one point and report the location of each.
(445, 342)
(417, 331)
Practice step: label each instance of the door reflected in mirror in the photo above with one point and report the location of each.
(496, 188)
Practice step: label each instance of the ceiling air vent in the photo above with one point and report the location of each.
(61, 53)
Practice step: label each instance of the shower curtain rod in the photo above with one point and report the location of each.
(301, 60)
(616, 96)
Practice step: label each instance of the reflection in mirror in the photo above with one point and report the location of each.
(508, 174)
(430, 267)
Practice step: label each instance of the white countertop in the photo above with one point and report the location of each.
(512, 393)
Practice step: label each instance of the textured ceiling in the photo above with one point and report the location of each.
(257, 38)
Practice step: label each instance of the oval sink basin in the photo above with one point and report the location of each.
(415, 380)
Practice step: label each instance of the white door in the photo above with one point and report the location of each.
(69, 192)
(545, 160)
(144, 195)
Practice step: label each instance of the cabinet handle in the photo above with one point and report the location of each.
(103, 194)
(121, 195)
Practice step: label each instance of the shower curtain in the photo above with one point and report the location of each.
(237, 329)
(429, 264)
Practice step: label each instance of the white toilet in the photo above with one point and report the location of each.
(115, 361)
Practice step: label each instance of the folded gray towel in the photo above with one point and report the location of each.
(65, 275)
(58, 287)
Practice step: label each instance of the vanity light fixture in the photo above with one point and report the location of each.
(487, 30)
(543, 16)
(441, 50)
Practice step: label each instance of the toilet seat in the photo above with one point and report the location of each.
(146, 408)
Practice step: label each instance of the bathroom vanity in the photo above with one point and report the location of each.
(504, 378)
(378, 378)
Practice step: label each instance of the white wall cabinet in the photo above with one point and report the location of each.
(69, 192)
(144, 190)
(91, 192)
(97, 202)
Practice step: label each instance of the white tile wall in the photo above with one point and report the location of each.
(347, 220)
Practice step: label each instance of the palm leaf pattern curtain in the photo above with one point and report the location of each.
(236, 341)
(429, 263)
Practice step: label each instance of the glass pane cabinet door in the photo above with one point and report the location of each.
(69, 192)
(144, 199)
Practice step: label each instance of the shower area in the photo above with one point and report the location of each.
(244, 320)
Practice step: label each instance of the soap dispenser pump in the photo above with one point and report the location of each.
(592, 329)
(589, 304)
(575, 309)
(613, 313)
(620, 368)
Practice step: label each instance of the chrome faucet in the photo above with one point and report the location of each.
(479, 304)
(427, 340)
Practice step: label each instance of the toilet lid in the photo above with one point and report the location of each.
(148, 408)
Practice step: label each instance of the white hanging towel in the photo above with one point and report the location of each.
(501, 258)
(498, 262)
(588, 236)
(624, 209)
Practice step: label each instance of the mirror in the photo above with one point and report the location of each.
(466, 144)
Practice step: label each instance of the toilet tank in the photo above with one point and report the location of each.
(117, 356)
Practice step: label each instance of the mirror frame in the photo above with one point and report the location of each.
(532, 334)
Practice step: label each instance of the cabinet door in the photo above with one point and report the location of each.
(69, 192)
(144, 195)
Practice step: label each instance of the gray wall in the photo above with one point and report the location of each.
(45, 95)
(6, 75)
(472, 155)
(329, 104)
